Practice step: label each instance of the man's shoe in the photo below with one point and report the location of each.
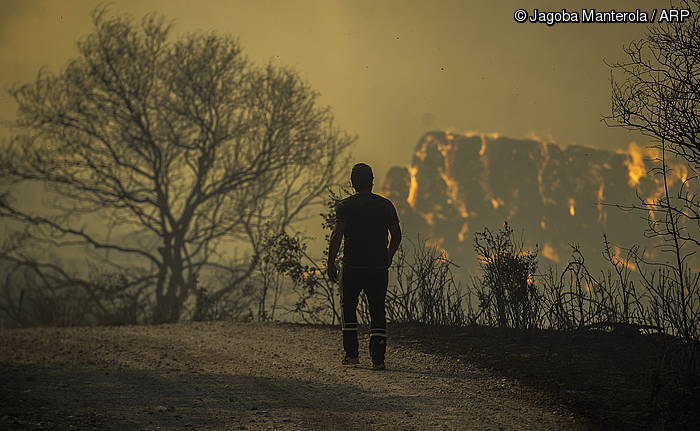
(378, 367)
(349, 360)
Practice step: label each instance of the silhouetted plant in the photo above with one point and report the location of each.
(424, 288)
(577, 299)
(315, 295)
(655, 92)
(506, 290)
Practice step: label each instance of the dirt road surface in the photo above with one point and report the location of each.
(232, 376)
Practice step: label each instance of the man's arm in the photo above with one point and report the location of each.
(394, 241)
(333, 248)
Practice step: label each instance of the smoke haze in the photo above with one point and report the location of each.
(390, 70)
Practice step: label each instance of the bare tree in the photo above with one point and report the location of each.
(657, 89)
(184, 143)
(658, 94)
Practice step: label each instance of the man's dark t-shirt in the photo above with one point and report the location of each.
(367, 219)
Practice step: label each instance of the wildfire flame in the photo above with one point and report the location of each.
(636, 169)
(413, 189)
(472, 133)
(422, 151)
(437, 245)
(463, 232)
(544, 153)
(550, 253)
(635, 159)
(602, 215)
(482, 150)
(429, 218)
(453, 193)
(446, 148)
(619, 259)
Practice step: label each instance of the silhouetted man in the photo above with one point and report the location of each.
(364, 220)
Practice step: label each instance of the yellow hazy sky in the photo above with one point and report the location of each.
(390, 70)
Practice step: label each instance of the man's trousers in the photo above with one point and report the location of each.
(374, 283)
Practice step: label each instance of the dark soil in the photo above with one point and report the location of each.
(621, 381)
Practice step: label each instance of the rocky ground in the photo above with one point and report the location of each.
(231, 376)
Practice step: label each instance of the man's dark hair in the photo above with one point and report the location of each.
(361, 177)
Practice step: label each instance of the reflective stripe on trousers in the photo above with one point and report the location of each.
(374, 283)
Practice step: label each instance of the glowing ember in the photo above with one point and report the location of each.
(572, 207)
(496, 203)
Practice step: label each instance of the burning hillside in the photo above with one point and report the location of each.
(460, 183)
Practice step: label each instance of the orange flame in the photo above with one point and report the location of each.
(446, 148)
(437, 245)
(496, 203)
(453, 193)
(572, 207)
(429, 218)
(463, 232)
(422, 151)
(413, 189)
(636, 169)
(602, 215)
(482, 149)
(544, 153)
(550, 253)
(618, 259)
(678, 171)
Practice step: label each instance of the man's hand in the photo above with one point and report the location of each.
(332, 271)
(395, 232)
(333, 248)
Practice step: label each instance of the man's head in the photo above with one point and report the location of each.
(362, 177)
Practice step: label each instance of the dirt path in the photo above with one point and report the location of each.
(247, 376)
